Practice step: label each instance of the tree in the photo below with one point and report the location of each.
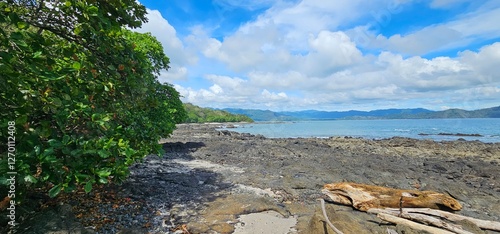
(82, 90)
(196, 114)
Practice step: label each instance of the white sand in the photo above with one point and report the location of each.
(265, 223)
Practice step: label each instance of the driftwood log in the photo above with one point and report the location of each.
(421, 218)
(411, 224)
(423, 214)
(364, 197)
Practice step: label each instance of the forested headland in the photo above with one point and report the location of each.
(196, 114)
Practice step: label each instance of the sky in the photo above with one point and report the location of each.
(334, 55)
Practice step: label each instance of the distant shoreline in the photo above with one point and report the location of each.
(451, 134)
(413, 113)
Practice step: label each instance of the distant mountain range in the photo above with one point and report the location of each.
(415, 113)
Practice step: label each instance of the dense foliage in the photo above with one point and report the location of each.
(82, 91)
(196, 114)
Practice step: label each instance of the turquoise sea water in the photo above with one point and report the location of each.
(489, 129)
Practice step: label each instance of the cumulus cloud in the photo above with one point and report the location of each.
(471, 76)
(295, 56)
(174, 73)
(466, 29)
(272, 96)
(330, 51)
(173, 47)
(420, 42)
(485, 62)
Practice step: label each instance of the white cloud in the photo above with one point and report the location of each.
(294, 56)
(330, 51)
(244, 50)
(420, 42)
(467, 28)
(174, 73)
(272, 96)
(216, 89)
(380, 80)
(173, 47)
(485, 62)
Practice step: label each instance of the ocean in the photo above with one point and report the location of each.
(485, 130)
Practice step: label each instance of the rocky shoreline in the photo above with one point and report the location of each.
(208, 179)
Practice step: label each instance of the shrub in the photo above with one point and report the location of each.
(82, 90)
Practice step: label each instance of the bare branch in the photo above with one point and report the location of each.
(327, 219)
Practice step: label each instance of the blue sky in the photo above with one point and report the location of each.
(287, 55)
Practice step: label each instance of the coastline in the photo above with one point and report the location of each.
(290, 171)
(422, 129)
(209, 180)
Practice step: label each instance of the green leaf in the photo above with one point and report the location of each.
(54, 143)
(30, 179)
(66, 97)
(37, 54)
(80, 177)
(78, 30)
(66, 139)
(109, 144)
(52, 77)
(22, 119)
(88, 187)
(103, 173)
(67, 3)
(129, 152)
(22, 25)
(76, 152)
(103, 180)
(54, 191)
(70, 187)
(103, 153)
(37, 150)
(93, 10)
(77, 65)
(49, 159)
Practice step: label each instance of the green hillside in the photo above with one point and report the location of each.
(493, 112)
(415, 113)
(196, 114)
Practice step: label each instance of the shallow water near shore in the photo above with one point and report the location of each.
(484, 130)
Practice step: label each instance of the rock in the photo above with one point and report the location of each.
(342, 220)
(470, 226)
(56, 220)
(224, 210)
